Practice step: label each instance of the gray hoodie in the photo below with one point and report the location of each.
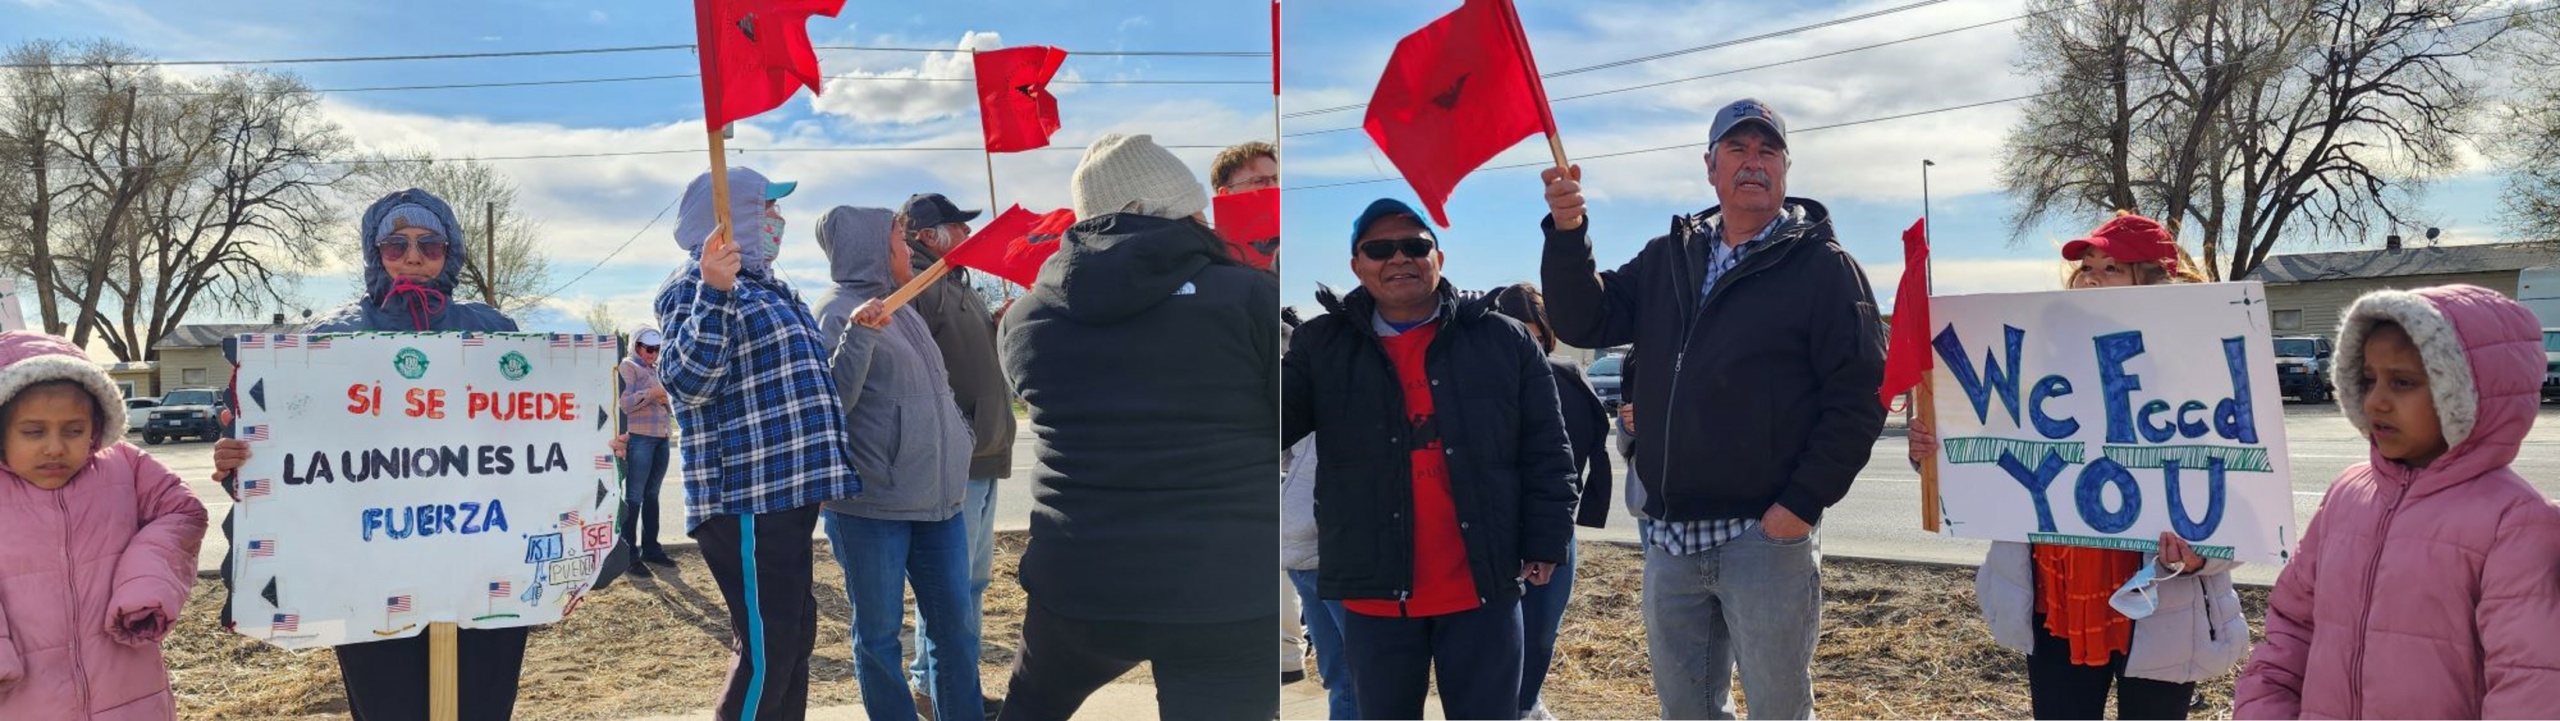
(908, 440)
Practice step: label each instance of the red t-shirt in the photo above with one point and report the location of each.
(1442, 584)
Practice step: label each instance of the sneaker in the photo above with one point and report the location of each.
(658, 557)
(995, 707)
(641, 571)
(1290, 677)
(1538, 713)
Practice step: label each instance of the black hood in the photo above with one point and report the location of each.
(1119, 265)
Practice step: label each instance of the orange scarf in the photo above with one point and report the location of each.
(2072, 588)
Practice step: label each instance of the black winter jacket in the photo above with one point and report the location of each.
(1764, 392)
(1496, 415)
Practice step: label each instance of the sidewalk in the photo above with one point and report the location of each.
(1115, 701)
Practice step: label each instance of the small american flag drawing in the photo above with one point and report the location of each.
(319, 344)
(604, 462)
(475, 341)
(559, 340)
(288, 341)
(287, 623)
(256, 487)
(571, 520)
(253, 341)
(501, 589)
(262, 548)
(400, 604)
(253, 434)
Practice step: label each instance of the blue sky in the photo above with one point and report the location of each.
(591, 206)
(1868, 175)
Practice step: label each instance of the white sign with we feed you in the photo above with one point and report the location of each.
(401, 479)
(2101, 417)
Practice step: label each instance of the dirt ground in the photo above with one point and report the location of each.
(1898, 641)
(642, 647)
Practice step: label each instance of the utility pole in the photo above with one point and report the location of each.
(489, 266)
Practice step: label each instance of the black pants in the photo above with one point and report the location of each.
(1214, 671)
(387, 680)
(762, 563)
(1477, 654)
(2060, 689)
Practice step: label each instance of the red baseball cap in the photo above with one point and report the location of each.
(2128, 239)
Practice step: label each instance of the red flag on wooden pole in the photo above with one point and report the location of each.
(755, 54)
(1456, 93)
(1250, 222)
(1014, 244)
(1907, 360)
(1014, 103)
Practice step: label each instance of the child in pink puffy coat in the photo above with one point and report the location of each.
(2428, 584)
(97, 544)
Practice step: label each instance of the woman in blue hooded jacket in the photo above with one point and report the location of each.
(414, 253)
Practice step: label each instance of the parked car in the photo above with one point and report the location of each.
(186, 413)
(137, 413)
(1603, 375)
(2551, 364)
(2302, 368)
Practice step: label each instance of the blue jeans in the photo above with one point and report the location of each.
(978, 512)
(645, 463)
(1541, 611)
(1324, 629)
(880, 558)
(1475, 656)
(1753, 601)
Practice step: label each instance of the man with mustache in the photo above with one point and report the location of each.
(1445, 484)
(1762, 352)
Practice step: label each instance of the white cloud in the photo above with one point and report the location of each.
(916, 101)
(598, 17)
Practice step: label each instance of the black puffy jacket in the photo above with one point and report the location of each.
(1494, 400)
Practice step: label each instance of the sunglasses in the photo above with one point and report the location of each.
(1386, 248)
(432, 250)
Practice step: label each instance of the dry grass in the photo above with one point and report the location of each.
(1898, 641)
(642, 647)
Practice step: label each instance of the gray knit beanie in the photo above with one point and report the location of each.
(1132, 174)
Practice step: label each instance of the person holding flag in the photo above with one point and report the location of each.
(1447, 478)
(764, 436)
(1763, 355)
(1146, 354)
(964, 333)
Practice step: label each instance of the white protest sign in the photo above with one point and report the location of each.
(12, 315)
(2103, 417)
(401, 479)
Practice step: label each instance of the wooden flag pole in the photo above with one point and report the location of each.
(719, 192)
(916, 285)
(444, 701)
(1537, 85)
(1924, 399)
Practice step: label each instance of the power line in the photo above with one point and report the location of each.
(1053, 147)
(1675, 53)
(606, 50)
(1763, 66)
(1952, 108)
(623, 79)
(608, 257)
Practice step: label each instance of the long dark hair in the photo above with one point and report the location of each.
(1523, 303)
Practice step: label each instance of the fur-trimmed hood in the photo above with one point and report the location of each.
(2484, 365)
(28, 358)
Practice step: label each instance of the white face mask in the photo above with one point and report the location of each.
(2140, 597)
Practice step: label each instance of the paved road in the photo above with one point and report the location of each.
(1881, 518)
(1878, 519)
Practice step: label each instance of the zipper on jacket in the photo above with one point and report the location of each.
(1680, 357)
(2204, 600)
(71, 590)
(2355, 699)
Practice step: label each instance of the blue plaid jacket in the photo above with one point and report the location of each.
(763, 426)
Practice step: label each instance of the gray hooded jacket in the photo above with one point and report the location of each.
(909, 443)
(378, 311)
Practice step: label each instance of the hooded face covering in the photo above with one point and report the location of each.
(695, 220)
(773, 227)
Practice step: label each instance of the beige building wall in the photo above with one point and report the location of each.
(2314, 308)
(193, 368)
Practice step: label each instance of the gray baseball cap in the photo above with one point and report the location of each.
(1748, 110)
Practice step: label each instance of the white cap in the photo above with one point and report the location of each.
(1131, 173)
(648, 337)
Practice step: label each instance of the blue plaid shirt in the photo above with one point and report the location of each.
(1683, 538)
(763, 427)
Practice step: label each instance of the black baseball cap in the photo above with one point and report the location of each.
(931, 210)
(1745, 111)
